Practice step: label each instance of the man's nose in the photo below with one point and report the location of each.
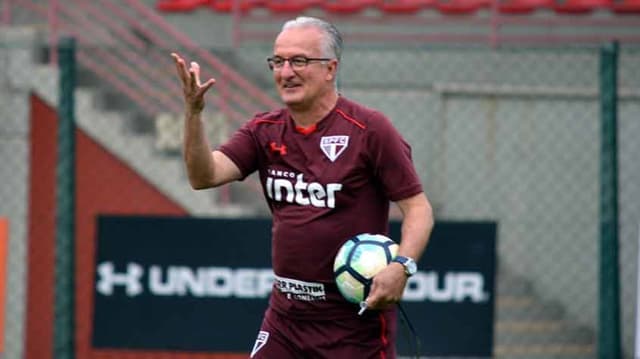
(287, 69)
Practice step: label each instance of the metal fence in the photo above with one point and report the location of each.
(515, 136)
(508, 135)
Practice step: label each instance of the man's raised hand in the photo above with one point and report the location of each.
(192, 88)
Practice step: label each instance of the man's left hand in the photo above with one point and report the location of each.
(387, 287)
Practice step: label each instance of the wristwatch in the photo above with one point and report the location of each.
(410, 267)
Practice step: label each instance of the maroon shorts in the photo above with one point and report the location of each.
(369, 336)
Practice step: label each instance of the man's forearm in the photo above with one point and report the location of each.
(197, 152)
(417, 225)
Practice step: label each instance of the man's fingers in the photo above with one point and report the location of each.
(181, 68)
(202, 89)
(193, 82)
(195, 71)
(207, 85)
(371, 301)
(190, 78)
(380, 297)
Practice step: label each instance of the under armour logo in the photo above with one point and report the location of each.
(108, 278)
(282, 149)
(260, 342)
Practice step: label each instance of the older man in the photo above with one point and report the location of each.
(329, 168)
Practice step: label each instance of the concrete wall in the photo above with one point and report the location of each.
(15, 58)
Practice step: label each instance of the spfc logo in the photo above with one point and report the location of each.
(333, 146)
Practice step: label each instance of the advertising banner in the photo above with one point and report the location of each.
(450, 301)
(199, 284)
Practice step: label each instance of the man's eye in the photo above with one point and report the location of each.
(278, 61)
(299, 61)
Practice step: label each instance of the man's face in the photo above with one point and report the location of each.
(300, 86)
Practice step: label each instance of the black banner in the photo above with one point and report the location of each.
(203, 285)
(450, 301)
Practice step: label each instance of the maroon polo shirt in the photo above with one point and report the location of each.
(323, 185)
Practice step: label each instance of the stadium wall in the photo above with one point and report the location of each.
(114, 197)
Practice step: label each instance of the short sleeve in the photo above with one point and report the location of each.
(241, 148)
(391, 158)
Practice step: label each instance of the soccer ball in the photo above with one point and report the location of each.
(358, 260)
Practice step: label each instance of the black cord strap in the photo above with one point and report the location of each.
(413, 333)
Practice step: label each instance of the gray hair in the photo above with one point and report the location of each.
(332, 40)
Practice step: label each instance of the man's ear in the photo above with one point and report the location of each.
(333, 70)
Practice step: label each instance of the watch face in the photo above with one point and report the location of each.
(409, 264)
(411, 267)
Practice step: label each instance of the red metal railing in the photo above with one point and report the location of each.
(137, 66)
(127, 46)
(209, 59)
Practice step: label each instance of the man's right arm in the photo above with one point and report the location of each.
(205, 168)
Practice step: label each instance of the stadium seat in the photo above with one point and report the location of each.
(347, 6)
(404, 6)
(524, 6)
(626, 7)
(580, 6)
(291, 6)
(461, 7)
(180, 5)
(227, 5)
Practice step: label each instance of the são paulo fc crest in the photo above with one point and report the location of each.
(333, 146)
